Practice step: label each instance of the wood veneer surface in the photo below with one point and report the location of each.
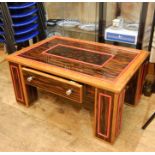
(121, 63)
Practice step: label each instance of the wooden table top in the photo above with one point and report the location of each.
(100, 65)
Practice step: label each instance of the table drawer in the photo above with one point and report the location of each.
(53, 84)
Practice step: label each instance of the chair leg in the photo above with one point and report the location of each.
(148, 121)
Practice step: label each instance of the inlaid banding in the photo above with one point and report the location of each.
(17, 82)
(79, 55)
(107, 116)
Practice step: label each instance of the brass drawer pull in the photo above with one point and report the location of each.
(69, 92)
(30, 78)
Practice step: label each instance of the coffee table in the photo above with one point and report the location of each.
(87, 73)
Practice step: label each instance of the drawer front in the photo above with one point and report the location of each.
(53, 84)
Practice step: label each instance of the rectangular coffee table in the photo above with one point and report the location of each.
(88, 73)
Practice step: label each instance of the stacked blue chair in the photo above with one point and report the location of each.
(25, 22)
(2, 37)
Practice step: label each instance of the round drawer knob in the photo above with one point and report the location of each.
(69, 92)
(30, 78)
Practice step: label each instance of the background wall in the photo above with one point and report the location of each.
(131, 12)
(85, 12)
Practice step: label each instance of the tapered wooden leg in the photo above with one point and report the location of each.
(108, 114)
(24, 94)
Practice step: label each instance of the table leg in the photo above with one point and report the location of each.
(108, 114)
(24, 94)
(135, 86)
